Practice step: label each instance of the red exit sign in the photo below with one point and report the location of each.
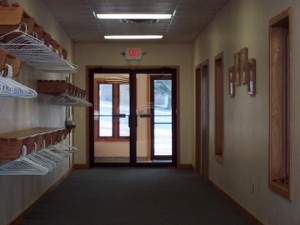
(133, 53)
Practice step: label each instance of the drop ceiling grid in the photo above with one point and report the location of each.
(76, 16)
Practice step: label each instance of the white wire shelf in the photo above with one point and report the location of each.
(34, 52)
(68, 100)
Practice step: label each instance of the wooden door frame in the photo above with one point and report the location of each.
(152, 79)
(90, 70)
(205, 151)
(198, 119)
(201, 157)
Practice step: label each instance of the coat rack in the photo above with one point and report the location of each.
(34, 151)
(65, 93)
(9, 68)
(21, 36)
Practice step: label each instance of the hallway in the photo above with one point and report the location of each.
(234, 98)
(143, 196)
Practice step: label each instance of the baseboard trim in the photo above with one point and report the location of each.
(186, 166)
(181, 166)
(81, 166)
(20, 217)
(235, 203)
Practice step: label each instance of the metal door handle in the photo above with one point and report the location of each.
(123, 115)
(145, 115)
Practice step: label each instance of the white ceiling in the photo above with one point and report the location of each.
(77, 18)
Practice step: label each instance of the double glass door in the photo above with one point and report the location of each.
(134, 117)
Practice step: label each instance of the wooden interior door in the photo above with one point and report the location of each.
(198, 121)
(202, 120)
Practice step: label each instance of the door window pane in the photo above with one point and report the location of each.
(113, 110)
(162, 94)
(162, 117)
(105, 110)
(162, 139)
(124, 110)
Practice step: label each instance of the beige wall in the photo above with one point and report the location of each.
(18, 192)
(156, 55)
(244, 23)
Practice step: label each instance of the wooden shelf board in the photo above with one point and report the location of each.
(22, 134)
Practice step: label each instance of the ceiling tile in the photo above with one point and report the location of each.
(77, 17)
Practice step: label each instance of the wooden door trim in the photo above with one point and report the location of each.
(199, 159)
(92, 69)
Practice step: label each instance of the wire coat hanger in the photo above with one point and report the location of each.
(12, 88)
(23, 166)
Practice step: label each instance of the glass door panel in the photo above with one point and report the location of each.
(134, 119)
(111, 118)
(154, 118)
(124, 110)
(162, 117)
(143, 113)
(105, 121)
(162, 140)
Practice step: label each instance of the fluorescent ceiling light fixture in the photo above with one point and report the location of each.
(134, 16)
(128, 37)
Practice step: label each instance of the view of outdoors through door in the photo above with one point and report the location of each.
(111, 118)
(162, 120)
(154, 111)
(116, 115)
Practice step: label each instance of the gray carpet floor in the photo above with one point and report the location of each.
(134, 196)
